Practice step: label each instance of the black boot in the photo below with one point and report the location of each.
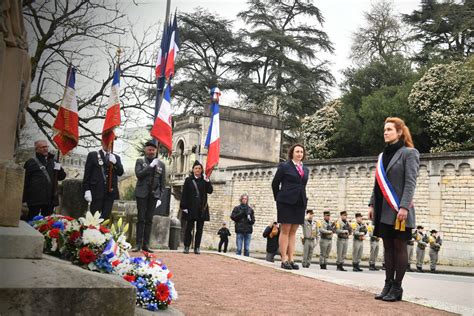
(358, 268)
(186, 249)
(419, 269)
(340, 267)
(409, 268)
(325, 267)
(372, 267)
(385, 290)
(395, 293)
(433, 270)
(197, 251)
(354, 267)
(383, 266)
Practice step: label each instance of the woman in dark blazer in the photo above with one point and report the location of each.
(400, 161)
(289, 191)
(194, 206)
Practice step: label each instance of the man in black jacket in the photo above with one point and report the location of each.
(42, 173)
(224, 234)
(151, 181)
(271, 233)
(243, 216)
(96, 181)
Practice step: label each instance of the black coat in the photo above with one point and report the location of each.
(37, 189)
(293, 187)
(272, 243)
(240, 216)
(96, 176)
(224, 233)
(196, 204)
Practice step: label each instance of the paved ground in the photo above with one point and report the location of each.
(213, 284)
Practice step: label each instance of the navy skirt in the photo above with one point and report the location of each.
(290, 213)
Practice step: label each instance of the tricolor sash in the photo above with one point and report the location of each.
(388, 192)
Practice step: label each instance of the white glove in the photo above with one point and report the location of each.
(88, 196)
(154, 162)
(205, 177)
(57, 166)
(185, 211)
(249, 218)
(112, 159)
(158, 203)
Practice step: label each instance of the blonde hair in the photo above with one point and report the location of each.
(400, 125)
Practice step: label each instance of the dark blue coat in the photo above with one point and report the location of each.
(288, 186)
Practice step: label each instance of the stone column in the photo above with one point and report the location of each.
(341, 196)
(434, 201)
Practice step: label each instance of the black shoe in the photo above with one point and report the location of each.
(322, 266)
(340, 267)
(137, 249)
(294, 266)
(372, 267)
(419, 269)
(395, 293)
(358, 268)
(325, 267)
(409, 268)
(433, 270)
(197, 251)
(383, 266)
(286, 265)
(385, 290)
(354, 267)
(186, 250)
(147, 249)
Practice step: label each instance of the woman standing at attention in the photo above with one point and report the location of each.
(391, 206)
(289, 191)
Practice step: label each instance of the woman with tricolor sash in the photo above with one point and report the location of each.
(391, 205)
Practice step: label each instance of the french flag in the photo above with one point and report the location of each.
(110, 252)
(173, 50)
(112, 118)
(66, 124)
(162, 128)
(213, 144)
(162, 53)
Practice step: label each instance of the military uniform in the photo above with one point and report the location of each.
(410, 245)
(343, 230)
(310, 235)
(151, 181)
(359, 231)
(326, 230)
(374, 248)
(96, 182)
(435, 245)
(422, 242)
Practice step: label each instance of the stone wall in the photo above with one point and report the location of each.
(444, 198)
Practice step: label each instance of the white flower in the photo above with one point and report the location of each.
(91, 220)
(54, 244)
(93, 236)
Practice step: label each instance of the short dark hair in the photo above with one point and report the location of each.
(292, 149)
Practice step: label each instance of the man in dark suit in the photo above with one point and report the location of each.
(151, 175)
(96, 181)
(42, 173)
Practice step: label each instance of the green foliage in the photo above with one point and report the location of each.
(277, 65)
(445, 30)
(129, 194)
(444, 98)
(319, 128)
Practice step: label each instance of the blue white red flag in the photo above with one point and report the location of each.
(173, 50)
(213, 135)
(110, 252)
(112, 118)
(162, 128)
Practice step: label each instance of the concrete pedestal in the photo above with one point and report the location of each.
(51, 286)
(160, 232)
(22, 242)
(11, 193)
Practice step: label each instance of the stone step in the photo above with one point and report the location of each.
(51, 286)
(22, 242)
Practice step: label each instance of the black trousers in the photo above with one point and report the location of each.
(197, 234)
(35, 210)
(104, 206)
(146, 210)
(224, 242)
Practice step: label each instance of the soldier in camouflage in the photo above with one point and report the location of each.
(422, 242)
(359, 232)
(326, 230)
(310, 235)
(374, 248)
(343, 231)
(435, 246)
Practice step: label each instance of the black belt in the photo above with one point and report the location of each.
(308, 238)
(342, 237)
(327, 238)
